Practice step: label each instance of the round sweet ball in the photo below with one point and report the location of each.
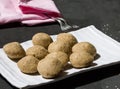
(14, 50)
(80, 60)
(84, 46)
(28, 64)
(42, 39)
(67, 38)
(59, 46)
(37, 51)
(61, 56)
(49, 67)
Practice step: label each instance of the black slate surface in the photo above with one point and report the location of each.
(104, 14)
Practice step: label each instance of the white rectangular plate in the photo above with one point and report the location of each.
(107, 48)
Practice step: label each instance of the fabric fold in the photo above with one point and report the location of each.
(8, 12)
(30, 12)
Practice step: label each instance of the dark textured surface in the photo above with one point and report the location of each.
(104, 14)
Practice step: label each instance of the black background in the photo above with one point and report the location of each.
(104, 14)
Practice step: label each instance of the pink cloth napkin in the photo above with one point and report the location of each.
(30, 12)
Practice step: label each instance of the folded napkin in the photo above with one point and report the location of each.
(30, 12)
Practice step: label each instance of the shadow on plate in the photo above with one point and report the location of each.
(97, 56)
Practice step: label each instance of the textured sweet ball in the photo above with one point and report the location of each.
(80, 60)
(28, 64)
(84, 46)
(37, 51)
(14, 50)
(67, 38)
(42, 39)
(59, 46)
(61, 56)
(49, 67)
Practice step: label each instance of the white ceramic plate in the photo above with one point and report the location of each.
(107, 48)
